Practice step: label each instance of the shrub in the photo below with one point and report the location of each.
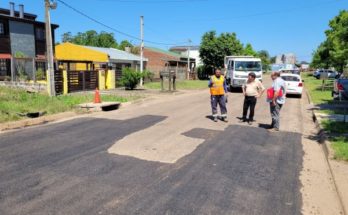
(148, 75)
(130, 78)
(40, 74)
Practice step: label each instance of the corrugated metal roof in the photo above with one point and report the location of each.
(174, 54)
(116, 54)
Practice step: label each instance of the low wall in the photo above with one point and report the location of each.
(24, 85)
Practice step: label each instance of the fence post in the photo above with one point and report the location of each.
(174, 83)
(34, 70)
(65, 82)
(101, 79)
(170, 81)
(12, 69)
(110, 79)
(162, 84)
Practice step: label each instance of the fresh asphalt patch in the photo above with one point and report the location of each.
(65, 169)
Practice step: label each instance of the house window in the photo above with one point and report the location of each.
(2, 28)
(40, 34)
(4, 63)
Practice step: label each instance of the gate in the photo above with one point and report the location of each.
(82, 80)
(59, 82)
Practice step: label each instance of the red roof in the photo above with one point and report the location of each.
(5, 56)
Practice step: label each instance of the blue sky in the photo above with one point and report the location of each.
(278, 26)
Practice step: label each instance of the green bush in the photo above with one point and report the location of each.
(40, 74)
(130, 78)
(148, 75)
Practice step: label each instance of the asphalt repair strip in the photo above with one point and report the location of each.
(65, 169)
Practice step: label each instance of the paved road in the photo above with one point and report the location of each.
(114, 163)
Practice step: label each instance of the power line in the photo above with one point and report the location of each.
(113, 29)
(155, 2)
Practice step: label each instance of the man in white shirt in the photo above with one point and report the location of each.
(277, 101)
(252, 90)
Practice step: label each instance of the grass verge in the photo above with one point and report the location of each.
(335, 127)
(14, 102)
(340, 146)
(180, 85)
(314, 85)
(338, 143)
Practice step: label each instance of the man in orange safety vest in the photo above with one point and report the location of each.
(218, 88)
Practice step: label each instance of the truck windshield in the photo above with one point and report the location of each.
(247, 66)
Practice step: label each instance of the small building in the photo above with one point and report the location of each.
(162, 60)
(289, 58)
(185, 50)
(77, 57)
(119, 59)
(21, 33)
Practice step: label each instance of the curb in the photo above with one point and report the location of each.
(324, 142)
(36, 121)
(25, 123)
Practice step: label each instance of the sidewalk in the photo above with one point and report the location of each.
(339, 169)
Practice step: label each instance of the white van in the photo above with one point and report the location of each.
(238, 68)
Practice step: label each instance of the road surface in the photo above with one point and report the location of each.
(164, 156)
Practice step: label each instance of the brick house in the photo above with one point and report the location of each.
(21, 33)
(162, 60)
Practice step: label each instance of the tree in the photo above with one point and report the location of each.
(214, 48)
(67, 37)
(337, 35)
(124, 44)
(91, 38)
(249, 51)
(273, 59)
(333, 52)
(322, 56)
(265, 58)
(107, 40)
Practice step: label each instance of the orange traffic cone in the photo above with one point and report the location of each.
(97, 98)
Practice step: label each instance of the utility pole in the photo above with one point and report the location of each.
(141, 47)
(188, 60)
(49, 46)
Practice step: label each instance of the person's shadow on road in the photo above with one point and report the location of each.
(265, 126)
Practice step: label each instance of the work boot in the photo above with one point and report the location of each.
(225, 119)
(215, 119)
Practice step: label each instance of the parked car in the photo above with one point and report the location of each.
(340, 91)
(294, 84)
(331, 74)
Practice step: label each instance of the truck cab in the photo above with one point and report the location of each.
(238, 67)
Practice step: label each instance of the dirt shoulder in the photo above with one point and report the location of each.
(319, 192)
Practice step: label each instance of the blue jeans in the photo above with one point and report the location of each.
(215, 100)
(275, 114)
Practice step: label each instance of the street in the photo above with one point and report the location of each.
(164, 156)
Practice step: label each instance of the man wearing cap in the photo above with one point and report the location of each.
(252, 90)
(218, 88)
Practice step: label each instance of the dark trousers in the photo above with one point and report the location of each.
(249, 102)
(215, 100)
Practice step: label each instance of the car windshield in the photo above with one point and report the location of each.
(247, 66)
(290, 78)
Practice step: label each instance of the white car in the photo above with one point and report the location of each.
(294, 84)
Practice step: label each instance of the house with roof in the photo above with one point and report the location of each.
(162, 60)
(185, 50)
(20, 32)
(119, 59)
(72, 57)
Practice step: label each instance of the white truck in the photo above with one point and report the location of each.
(238, 67)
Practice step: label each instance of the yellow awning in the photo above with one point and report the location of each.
(72, 52)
